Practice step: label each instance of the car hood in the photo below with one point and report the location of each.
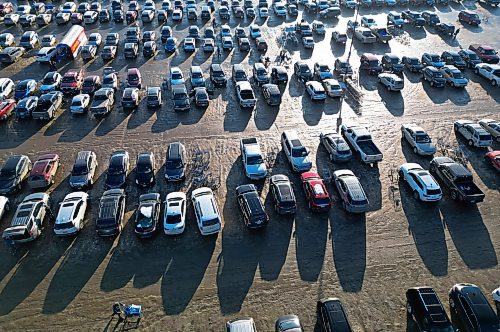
(428, 147)
(47, 87)
(256, 169)
(78, 179)
(144, 177)
(115, 180)
(6, 184)
(174, 172)
(101, 103)
(301, 161)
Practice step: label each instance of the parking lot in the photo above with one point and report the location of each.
(191, 282)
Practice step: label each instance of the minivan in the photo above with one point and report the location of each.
(175, 162)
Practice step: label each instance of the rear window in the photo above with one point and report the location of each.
(210, 222)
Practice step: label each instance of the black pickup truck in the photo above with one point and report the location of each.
(458, 179)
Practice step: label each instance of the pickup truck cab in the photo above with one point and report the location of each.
(47, 106)
(473, 133)
(254, 215)
(361, 142)
(364, 35)
(457, 179)
(253, 159)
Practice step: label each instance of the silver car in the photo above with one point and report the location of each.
(418, 139)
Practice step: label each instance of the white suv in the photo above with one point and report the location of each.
(71, 215)
(206, 210)
(174, 219)
(296, 153)
(424, 186)
(473, 133)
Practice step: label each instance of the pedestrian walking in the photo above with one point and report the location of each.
(218, 52)
(456, 33)
(11, 245)
(214, 24)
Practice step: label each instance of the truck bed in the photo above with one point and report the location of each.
(470, 192)
(371, 151)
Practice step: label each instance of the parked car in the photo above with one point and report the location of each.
(201, 97)
(111, 211)
(47, 106)
(279, 75)
(91, 84)
(423, 186)
(414, 18)
(272, 94)
(317, 195)
(260, 73)
(296, 153)
(493, 159)
(492, 127)
(148, 215)
(71, 215)
(154, 97)
(371, 64)
(208, 217)
(11, 54)
(254, 214)
(473, 133)
(418, 139)
(13, 173)
(83, 171)
(290, 323)
(7, 107)
(332, 316)
(283, 194)
(336, 146)
(425, 308)
(130, 98)
(175, 162)
(241, 325)
(470, 17)
(391, 81)
(217, 75)
(489, 72)
(433, 76)
(454, 59)
(117, 172)
(72, 81)
(103, 101)
(470, 57)
(486, 53)
(174, 217)
(145, 169)
(454, 77)
(24, 108)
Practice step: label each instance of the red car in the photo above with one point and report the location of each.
(134, 78)
(72, 81)
(6, 108)
(317, 196)
(493, 158)
(43, 171)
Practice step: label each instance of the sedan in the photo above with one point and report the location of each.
(189, 44)
(201, 98)
(283, 194)
(25, 89)
(108, 53)
(308, 42)
(26, 106)
(116, 174)
(148, 215)
(95, 39)
(315, 90)
(174, 217)
(80, 104)
(421, 182)
(44, 170)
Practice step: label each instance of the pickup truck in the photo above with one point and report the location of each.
(486, 53)
(253, 160)
(489, 72)
(47, 106)
(381, 34)
(360, 140)
(457, 178)
(365, 35)
(72, 82)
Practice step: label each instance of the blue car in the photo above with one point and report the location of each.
(51, 82)
(171, 45)
(24, 89)
(26, 106)
(430, 59)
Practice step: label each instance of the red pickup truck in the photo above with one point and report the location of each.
(486, 53)
(72, 82)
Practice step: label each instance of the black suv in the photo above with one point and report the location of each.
(111, 211)
(392, 62)
(331, 316)
(251, 206)
(453, 58)
(13, 172)
(116, 175)
(217, 75)
(433, 76)
(175, 162)
(423, 305)
(413, 64)
(302, 71)
(283, 195)
(470, 310)
(145, 169)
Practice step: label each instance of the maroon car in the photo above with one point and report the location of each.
(43, 171)
(91, 84)
(486, 53)
(134, 78)
(72, 82)
(7, 106)
(469, 17)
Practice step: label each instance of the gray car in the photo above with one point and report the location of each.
(336, 146)
(418, 139)
(352, 195)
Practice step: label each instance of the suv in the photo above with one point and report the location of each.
(260, 73)
(433, 76)
(82, 174)
(316, 193)
(283, 195)
(111, 211)
(175, 162)
(392, 63)
(332, 316)
(470, 309)
(424, 307)
(26, 225)
(217, 75)
(206, 211)
(116, 174)
(43, 171)
(423, 185)
(239, 73)
(130, 50)
(71, 216)
(13, 172)
(336, 146)
(351, 192)
(153, 97)
(180, 97)
(302, 71)
(296, 153)
(473, 133)
(251, 206)
(72, 82)
(145, 169)
(370, 63)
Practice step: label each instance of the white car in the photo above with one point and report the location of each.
(4, 206)
(69, 7)
(7, 88)
(45, 54)
(43, 19)
(279, 9)
(227, 43)
(308, 42)
(176, 77)
(147, 16)
(7, 40)
(149, 5)
(207, 212)
(334, 88)
(418, 139)
(174, 218)
(315, 90)
(48, 41)
(454, 76)
(263, 12)
(62, 18)
(90, 17)
(11, 19)
(391, 81)
(80, 104)
(490, 72)
(208, 45)
(318, 27)
(189, 44)
(23, 9)
(423, 185)
(491, 126)
(473, 133)
(95, 39)
(177, 15)
(71, 216)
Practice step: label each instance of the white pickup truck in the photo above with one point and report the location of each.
(253, 160)
(360, 140)
(365, 35)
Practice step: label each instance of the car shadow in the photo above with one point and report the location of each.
(392, 100)
(312, 111)
(437, 95)
(264, 115)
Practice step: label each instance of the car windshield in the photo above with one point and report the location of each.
(217, 74)
(22, 87)
(68, 79)
(108, 79)
(174, 164)
(176, 76)
(173, 219)
(180, 96)
(423, 138)
(322, 200)
(8, 174)
(489, 52)
(457, 58)
(144, 168)
(457, 75)
(394, 61)
(201, 96)
(473, 56)
(210, 222)
(79, 170)
(115, 167)
(304, 69)
(145, 216)
(170, 42)
(374, 63)
(438, 74)
(76, 103)
(484, 137)
(100, 96)
(133, 77)
(435, 58)
(323, 68)
(496, 73)
(196, 75)
(299, 152)
(474, 17)
(88, 83)
(254, 160)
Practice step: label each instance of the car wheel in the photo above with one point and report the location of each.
(432, 83)
(455, 128)
(416, 195)
(493, 82)
(415, 150)
(498, 139)
(470, 142)
(309, 205)
(408, 308)
(452, 303)
(388, 88)
(476, 71)
(454, 195)
(19, 186)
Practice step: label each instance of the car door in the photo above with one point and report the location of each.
(77, 215)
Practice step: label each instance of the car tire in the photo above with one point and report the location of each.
(476, 71)
(493, 82)
(470, 142)
(416, 195)
(388, 88)
(408, 309)
(432, 83)
(415, 150)
(455, 128)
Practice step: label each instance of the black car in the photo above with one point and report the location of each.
(453, 58)
(118, 16)
(425, 308)
(413, 17)
(26, 106)
(104, 15)
(175, 162)
(283, 195)
(392, 62)
(116, 175)
(111, 211)
(413, 64)
(332, 316)
(342, 67)
(272, 94)
(470, 310)
(217, 75)
(470, 57)
(149, 49)
(148, 214)
(145, 169)
(302, 71)
(279, 75)
(180, 97)
(430, 18)
(13, 172)
(433, 76)
(254, 215)
(289, 323)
